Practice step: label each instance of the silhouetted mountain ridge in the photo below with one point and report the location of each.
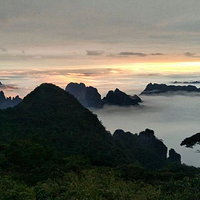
(153, 89)
(145, 148)
(90, 97)
(6, 102)
(120, 98)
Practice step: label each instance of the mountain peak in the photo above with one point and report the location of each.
(56, 116)
(48, 95)
(87, 96)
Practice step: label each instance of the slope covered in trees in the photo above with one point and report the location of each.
(58, 118)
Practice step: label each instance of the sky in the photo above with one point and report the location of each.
(72, 40)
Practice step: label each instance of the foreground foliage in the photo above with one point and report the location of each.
(100, 183)
(40, 173)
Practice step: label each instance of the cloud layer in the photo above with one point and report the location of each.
(8, 86)
(173, 118)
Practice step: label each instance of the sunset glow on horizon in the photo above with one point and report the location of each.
(97, 42)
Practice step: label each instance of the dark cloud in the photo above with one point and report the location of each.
(193, 55)
(8, 87)
(94, 52)
(157, 54)
(125, 53)
(185, 82)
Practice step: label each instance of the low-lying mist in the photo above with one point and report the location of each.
(173, 118)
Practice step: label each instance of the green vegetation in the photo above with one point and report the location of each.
(75, 178)
(55, 116)
(52, 148)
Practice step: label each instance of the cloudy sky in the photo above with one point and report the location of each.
(145, 36)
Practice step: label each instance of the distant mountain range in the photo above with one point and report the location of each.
(155, 89)
(90, 97)
(120, 98)
(87, 96)
(6, 102)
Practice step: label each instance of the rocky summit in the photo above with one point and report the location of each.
(7, 102)
(145, 148)
(87, 96)
(120, 98)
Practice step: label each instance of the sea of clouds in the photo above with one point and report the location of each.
(173, 118)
